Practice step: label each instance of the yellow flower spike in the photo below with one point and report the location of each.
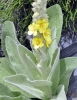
(42, 24)
(37, 42)
(47, 34)
(32, 29)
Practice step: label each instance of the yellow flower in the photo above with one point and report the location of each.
(32, 29)
(47, 37)
(46, 34)
(42, 25)
(37, 42)
(48, 41)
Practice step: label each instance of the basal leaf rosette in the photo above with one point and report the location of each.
(38, 73)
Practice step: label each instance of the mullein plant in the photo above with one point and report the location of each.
(39, 73)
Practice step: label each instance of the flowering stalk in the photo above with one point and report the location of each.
(40, 26)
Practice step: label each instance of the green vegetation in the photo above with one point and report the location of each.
(69, 10)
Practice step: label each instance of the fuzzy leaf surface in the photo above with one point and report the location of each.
(32, 69)
(55, 68)
(28, 52)
(67, 65)
(56, 19)
(61, 94)
(14, 98)
(5, 65)
(12, 50)
(21, 82)
(8, 29)
(4, 90)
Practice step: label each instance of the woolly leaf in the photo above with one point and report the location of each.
(55, 68)
(67, 65)
(32, 68)
(61, 94)
(28, 52)
(14, 98)
(5, 65)
(11, 48)
(8, 29)
(56, 19)
(21, 82)
(40, 82)
(4, 90)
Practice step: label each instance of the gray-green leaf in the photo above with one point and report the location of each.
(21, 82)
(67, 65)
(56, 19)
(12, 51)
(14, 98)
(8, 29)
(61, 94)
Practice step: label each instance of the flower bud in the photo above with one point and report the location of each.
(39, 1)
(34, 9)
(35, 15)
(34, 4)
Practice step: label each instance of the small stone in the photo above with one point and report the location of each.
(75, 72)
(74, 98)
